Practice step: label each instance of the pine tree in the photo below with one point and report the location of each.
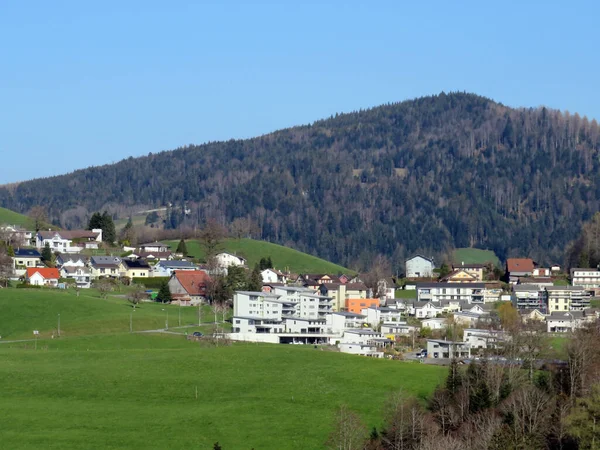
(181, 248)
(255, 281)
(47, 254)
(109, 233)
(164, 294)
(95, 221)
(127, 235)
(454, 379)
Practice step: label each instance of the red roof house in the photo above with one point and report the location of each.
(190, 283)
(43, 276)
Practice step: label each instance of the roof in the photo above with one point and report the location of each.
(193, 281)
(457, 271)
(258, 293)
(74, 269)
(135, 264)
(519, 265)
(441, 341)
(464, 265)
(153, 255)
(526, 288)
(565, 288)
(570, 315)
(349, 314)
(153, 244)
(69, 257)
(70, 234)
(451, 285)
(231, 254)
(355, 287)
(27, 253)
(175, 264)
(106, 261)
(365, 332)
(45, 272)
(420, 256)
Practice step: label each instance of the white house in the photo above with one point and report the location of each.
(397, 328)
(361, 342)
(337, 322)
(423, 310)
(71, 260)
(437, 348)
(225, 260)
(37, 276)
(419, 267)
(436, 323)
(587, 278)
(273, 276)
(375, 316)
(63, 241)
(81, 275)
(481, 338)
(469, 319)
(564, 321)
(437, 292)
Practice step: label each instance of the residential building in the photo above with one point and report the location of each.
(425, 309)
(542, 272)
(189, 285)
(437, 292)
(459, 276)
(225, 260)
(337, 322)
(376, 315)
(105, 266)
(356, 305)
(16, 236)
(341, 292)
(26, 257)
(519, 267)
(419, 267)
(135, 268)
(483, 338)
(69, 241)
(81, 275)
(529, 297)
(435, 323)
(397, 328)
(540, 282)
(587, 278)
(273, 276)
(43, 276)
(362, 342)
(567, 298)
(565, 321)
(437, 348)
(475, 270)
(386, 288)
(167, 267)
(71, 260)
(470, 319)
(532, 315)
(155, 247)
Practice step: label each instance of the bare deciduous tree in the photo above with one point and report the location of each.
(349, 433)
(136, 295)
(211, 237)
(6, 268)
(39, 216)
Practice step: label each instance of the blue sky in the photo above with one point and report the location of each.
(89, 83)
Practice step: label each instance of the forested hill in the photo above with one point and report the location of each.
(452, 170)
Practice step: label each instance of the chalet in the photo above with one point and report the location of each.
(190, 285)
(43, 276)
(419, 267)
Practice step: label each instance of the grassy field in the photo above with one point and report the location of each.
(283, 258)
(100, 387)
(25, 310)
(12, 218)
(475, 256)
(406, 293)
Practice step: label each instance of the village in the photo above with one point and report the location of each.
(331, 309)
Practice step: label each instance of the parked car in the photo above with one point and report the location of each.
(197, 334)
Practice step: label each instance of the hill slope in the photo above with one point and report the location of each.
(283, 258)
(8, 217)
(425, 175)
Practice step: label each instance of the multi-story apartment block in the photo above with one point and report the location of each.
(587, 278)
(529, 296)
(567, 298)
(437, 292)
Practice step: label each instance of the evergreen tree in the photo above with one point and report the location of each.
(95, 221)
(181, 248)
(454, 379)
(265, 263)
(109, 233)
(237, 278)
(164, 294)
(255, 281)
(47, 254)
(127, 234)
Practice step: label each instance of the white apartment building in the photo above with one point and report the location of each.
(586, 278)
(567, 298)
(364, 342)
(437, 292)
(398, 328)
(375, 316)
(481, 338)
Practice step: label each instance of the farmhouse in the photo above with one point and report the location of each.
(189, 284)
(225, 260)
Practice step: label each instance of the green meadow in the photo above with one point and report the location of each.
(475, 256)
(101, 387)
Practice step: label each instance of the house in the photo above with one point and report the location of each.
(356, 305)
(189, 284)
(376, 315)
(425, 309)
(105, 266)
(437, 292)
(437, 348)
(555, 268)
(567, 298)
(156, 247)
(71, 260)
(315, 279)
(337, 322)
(541, 272)
(135, 268)
(341, 292)
(587, 278)
(361, 342)
(81, 275)
(166, 268)
(273, 276)
(152, 256)
(225, 260)
(386, 288)
(529, 297)
(434, 323)
(397, 328)
(483, 338)
(42, 276)
(459, 276)
(419, 267)
(69, 241)
(519, 267)
(26, 257)
(475, 270)
(532, 315)
(16, 236)
(565, 321)
(469, 319)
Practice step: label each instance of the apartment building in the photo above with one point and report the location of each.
(529, 296)
(438, 292)
(567, 298)
(587, 278)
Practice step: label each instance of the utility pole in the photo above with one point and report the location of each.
(58, 324)
(179, 312)
(131, 321)
(199, 313)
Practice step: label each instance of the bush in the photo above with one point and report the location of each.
(28, 286)
(151, 283)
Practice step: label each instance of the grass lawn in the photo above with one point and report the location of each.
(284, 258)
(406, 293)
(25, 310)
(13, 218)
(100, 387)
(475, 256)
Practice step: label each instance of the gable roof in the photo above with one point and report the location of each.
(176, 264)
(27, 253)
(231, 254)
(106, 261)
(456, 272)
(153, 244)
(46, 272)
(420, 256)
(519, 265)
(135, 264)
(193, 281)
(70, 234)
(152, 255)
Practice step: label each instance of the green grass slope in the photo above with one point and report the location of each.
(475, 256)
(284, 258)
(9, 217)
(162, 392)
(25, 310)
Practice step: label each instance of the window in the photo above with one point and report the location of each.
(237, 321)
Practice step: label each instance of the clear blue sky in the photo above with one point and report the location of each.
(88, 83)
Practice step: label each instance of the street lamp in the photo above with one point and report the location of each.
(167, 320)
(131, 320)
(58, 324)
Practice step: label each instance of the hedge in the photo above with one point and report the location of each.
(150, 283)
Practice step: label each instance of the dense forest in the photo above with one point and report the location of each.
(426, 175)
